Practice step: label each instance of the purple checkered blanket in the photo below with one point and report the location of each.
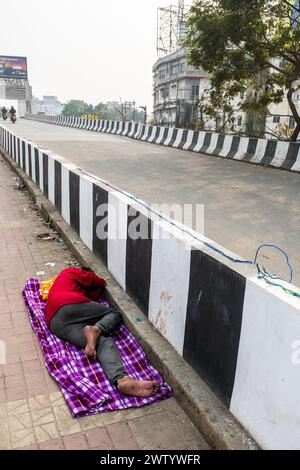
(81, 379)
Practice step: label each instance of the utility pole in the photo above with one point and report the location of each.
(144, 108)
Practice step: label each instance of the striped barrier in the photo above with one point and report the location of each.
(239, 334)
(272, 153)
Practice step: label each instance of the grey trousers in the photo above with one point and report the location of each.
(68, 324)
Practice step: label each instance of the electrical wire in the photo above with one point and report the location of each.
(261, 275)
(265, 275)
(268, 245)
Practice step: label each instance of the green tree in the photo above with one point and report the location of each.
(106, 112)
(118, 113)
(247, 44)
(76, 108)
(79, 107)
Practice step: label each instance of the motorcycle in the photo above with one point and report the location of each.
(4, 116)
(13, 117)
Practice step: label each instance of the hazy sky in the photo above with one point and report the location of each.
(96, 50)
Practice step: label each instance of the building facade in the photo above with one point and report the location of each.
(49, 105)
(16, 92)
(279, 121)
(176, 87)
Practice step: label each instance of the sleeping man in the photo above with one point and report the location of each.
(74, 315)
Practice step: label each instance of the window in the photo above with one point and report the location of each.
(239, 120)
(282, 63)
(292, 122)
(195, 91)
(182, 67)
(162, 74)
(175, 68)
(164, 92)
(173, 92)
(276, 119)
(218, 122)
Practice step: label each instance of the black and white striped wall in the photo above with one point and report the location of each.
(273, 153)
(236, 332)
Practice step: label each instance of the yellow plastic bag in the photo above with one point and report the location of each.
(46, 286)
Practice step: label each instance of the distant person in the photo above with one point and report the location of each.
(74, 315)
(12, 111)
(4, 112)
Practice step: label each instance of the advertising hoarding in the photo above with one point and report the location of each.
(13, 67)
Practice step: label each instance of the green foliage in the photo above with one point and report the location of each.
(79, 107)
(246, 44)
(76, 108)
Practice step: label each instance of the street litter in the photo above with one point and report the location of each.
(50, 264)
(19, 185)
(72, 264)
(40, 273)
(44, 236)
(33, 208)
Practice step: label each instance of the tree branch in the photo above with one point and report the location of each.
(120, 112)
(292, 104)
(295, 133)
(269, 64)
(274, 134)
(290, 5)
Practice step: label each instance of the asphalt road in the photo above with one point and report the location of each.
(245, 205)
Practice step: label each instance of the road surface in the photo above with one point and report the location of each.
(245, 205)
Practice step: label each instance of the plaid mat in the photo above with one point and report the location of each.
(81, 379)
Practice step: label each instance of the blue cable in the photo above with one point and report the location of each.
(268, 245)
(209, 245)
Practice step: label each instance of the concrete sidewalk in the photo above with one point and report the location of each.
(33, 412)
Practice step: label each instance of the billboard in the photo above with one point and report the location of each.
(13, 67)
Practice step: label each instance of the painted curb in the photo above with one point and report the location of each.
(209, 415)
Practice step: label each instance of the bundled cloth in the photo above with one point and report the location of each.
(80, 378)
(46, 286)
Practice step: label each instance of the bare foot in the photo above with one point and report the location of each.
(92, 334)
(137, 388)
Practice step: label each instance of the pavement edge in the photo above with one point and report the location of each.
(214, 421)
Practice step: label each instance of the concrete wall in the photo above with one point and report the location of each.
(239, 334)
(267, 152)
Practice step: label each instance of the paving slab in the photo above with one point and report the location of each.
(33, 412)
